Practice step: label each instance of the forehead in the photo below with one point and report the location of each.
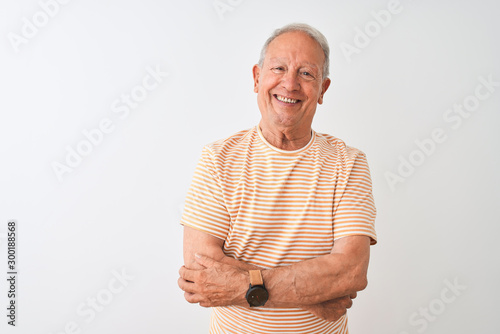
(296, 46)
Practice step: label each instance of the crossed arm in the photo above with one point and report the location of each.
(324, 285)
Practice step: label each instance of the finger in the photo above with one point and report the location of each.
(192, 298)
(349, 304)
(206, 304)
(205, 261)
(186, 286)
(188, 274)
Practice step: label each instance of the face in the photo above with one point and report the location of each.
(289, 85)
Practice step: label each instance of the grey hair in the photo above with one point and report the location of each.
(305, 28)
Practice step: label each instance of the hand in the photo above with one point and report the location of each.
(217, 284)
(331, 310)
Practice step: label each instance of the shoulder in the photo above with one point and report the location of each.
(236, 143)
(333, 146)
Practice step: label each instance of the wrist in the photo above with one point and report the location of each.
(257, 294)
(244, 281)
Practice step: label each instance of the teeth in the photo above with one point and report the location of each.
(285, 99)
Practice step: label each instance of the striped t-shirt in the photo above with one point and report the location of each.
(274, 208)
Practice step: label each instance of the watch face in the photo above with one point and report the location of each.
(257, 296)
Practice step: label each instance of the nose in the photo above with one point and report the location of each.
(290, 81)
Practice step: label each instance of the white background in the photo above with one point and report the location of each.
(119, 208)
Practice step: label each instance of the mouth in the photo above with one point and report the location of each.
(285, 99)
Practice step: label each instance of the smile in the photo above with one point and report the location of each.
(285, 99)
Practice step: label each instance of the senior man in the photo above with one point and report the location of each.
(279, 219)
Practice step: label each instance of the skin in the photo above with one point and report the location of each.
(326, 285)
(292, 68)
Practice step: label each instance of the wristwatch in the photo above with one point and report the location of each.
(257, 294)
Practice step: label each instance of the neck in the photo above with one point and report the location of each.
(284, 140)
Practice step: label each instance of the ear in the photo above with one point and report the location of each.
(324, 87)
(256, 75)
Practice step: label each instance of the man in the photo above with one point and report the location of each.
(278, 220)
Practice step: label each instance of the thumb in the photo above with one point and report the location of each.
(205, 261)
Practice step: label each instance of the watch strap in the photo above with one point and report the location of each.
(256, 277)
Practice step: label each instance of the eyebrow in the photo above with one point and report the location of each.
(284, 59)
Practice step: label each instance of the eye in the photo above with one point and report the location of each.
(307, 75)
(278, 69)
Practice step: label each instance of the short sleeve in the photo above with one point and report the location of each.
(204, 207)
(354, 208)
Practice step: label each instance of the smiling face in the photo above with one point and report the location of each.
(289, 85)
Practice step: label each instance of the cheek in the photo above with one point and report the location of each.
(314, 93)
(268, 82)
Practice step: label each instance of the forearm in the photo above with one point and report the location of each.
(315, 281)
(308, 282)
(330, 310)
(239, 264)
(199, 242)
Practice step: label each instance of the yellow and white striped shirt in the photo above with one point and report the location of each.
(274, 208)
